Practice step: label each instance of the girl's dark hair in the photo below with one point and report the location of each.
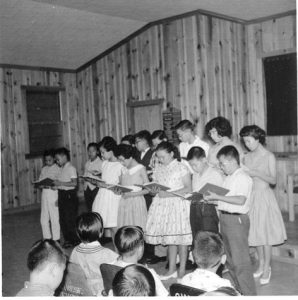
(108, 143)
(94, 145)
(254, 131)
(63, 151)
(184, 124)
(89, 227)
(134, 280)
(222, 126)
(129, 138)
(229, 151)
(128, 239)
(50, 152)
(126, 151)
(169, 147)
(159, 134)
(144, 135)
(196, 152)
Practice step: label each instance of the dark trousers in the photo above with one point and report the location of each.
(68, 209)
(89, 196)
(203, 217)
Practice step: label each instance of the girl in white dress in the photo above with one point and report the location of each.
(106, 202)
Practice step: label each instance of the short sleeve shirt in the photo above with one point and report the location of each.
(68, 172)
(91, 166)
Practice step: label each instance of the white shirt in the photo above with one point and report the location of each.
(239, 184)
(68, 172)
(91, 166)
(144, 152)
(51, 172)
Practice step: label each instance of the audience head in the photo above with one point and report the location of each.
(223, 291)
(197, 159)
(62, 156)
(228, 158)
(185, 130)
(89, 227)
(143, 140)
(252, 136)
(218, 128)
(134, 280)
(125, 154)
(107, 147)
(166, 152)
(46, 262)
(157, 137)
(128, 140)
(49, 157)
(208, 250)
(129, 241)
(92, 151)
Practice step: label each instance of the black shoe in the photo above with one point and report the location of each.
(153, 260)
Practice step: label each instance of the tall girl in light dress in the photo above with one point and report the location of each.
(106, 202)
(132, 207)
(168, 216)
(266, 224)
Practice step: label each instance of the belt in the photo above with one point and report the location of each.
(228, 213)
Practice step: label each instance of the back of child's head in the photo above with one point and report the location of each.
(63, 151)
(196, 152)
(89, 227)
(128, 239)
(134, 280)
(44, 252)
(208, 249)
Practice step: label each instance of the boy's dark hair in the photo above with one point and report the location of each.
(254, 131)
(144, 135)
(128, 239)
(63, 151)
(222, 126)
(94, 145)
(49, 152)
(184, 124)
(108, 143)
(229, 151)
(126, 151)
(169, 147)
(159, 134)
(196, 152)
(89, 227)
(129, 138)
(134, 280)
(43, 252)
(208, 249)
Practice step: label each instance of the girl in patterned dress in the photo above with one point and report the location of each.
(266, 224)
(168, 216)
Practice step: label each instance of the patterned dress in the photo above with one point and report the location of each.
(168, 218)
(266, 222)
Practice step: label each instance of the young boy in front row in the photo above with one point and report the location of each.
(46, 262)
(234, 220)
(208, 254)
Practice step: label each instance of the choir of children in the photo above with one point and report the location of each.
(248, 215)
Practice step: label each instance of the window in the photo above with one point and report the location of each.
(44, 119)
(281, 93)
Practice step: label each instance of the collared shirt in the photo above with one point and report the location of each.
(240, 184)
(68, 172)
(51, 172)
(143, 153)
(35, 290)
(91, 166)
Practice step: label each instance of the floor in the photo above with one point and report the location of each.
(21, 230)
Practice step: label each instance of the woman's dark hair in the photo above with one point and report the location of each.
(126, 151)
(108, 143)
(144, 135)
(184, 124)
(89, 227)
(229, 151)
(128, 239)
(94, 145)
(129, 138)
(63, 151)
(134, 280)
(254, 131)
(50, 152)
(196, 152)
(159, 134)
(222, 126)
(169, 147)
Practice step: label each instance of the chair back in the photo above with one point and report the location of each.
(180, 290)
(108, 273)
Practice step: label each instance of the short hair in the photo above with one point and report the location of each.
(94, 145)
(169, 147)
(63, 151)
(184, 124)
(126, 151)
(254, 131)
(128, 239)
(224, 291)
(208, 249)
(43, 252)
(134, 280)
(108, 143)
(196, 152)
(129, 138)
(159, 134)
(89, 227)
(222, 126)
(229, 151)
(144, 135)
(49, 152)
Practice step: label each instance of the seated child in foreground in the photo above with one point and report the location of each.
(129, 241)
(46, 262)
(89, 254)
(133, 280)
(208, 254)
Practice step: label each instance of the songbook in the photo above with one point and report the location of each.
(121, 188)
(47, 182)
(152, 185)
(91, 179)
